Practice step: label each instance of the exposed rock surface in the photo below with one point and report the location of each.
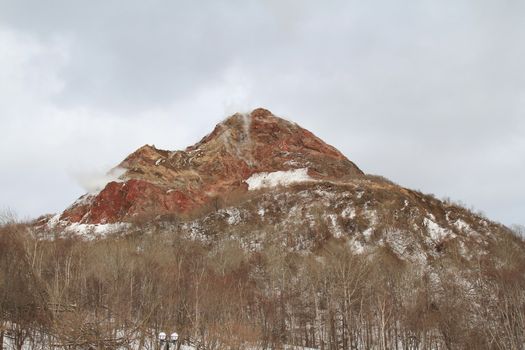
(159, 181)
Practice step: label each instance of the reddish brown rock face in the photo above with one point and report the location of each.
(159, 182)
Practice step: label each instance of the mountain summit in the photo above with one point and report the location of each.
(157, 181)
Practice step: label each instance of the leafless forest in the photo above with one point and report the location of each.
(118, 292)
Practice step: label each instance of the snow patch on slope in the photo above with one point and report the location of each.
(336, 229)
(462, 225)
(233, 216)
(436, 232)
(87, 231)
(95, 230)
(356, 246)
(348, 213)
(276, 178)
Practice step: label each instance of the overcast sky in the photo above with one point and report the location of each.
(430, 94)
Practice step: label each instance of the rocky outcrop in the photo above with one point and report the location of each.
(159, 182)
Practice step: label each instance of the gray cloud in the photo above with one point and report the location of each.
(430, 94)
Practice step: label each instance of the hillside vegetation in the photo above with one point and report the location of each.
(119, 291)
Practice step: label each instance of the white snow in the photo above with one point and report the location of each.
(337, 232)
(436, 232)
(462, 225)
(368, 233)
(356, 246)
(276, 178)
(159, 161)
(325, 194)
(234, 216)
(464, 251)
(41, 340)
(88, 231)
(348, 213)
(53, 221)
(95, 230)
(371, 215)
(397, 241)
(292, 162)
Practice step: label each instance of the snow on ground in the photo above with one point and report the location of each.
(348, 212)
(325, 194)
(195, 231)
(276, 178)
(233, 214)
(462, 225)
(8, 344)
(368, 233)
(53, 221)
(464, 251)
(337, 231)
(400, 242)
(356, 246)
(436, 232)
(86, 230)
(95, 230)
(44, 344)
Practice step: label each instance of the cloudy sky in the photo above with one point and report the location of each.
(430, 94)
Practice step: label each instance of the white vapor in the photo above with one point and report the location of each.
(95, 181)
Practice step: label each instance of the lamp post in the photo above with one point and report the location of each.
(165, 342)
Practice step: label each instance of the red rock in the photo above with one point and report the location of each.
(159, 181)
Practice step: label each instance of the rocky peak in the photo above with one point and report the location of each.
(161, 181)
(261, 127)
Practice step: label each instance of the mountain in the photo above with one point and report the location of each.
(262, 236)
(158, 181)
(261, 178)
